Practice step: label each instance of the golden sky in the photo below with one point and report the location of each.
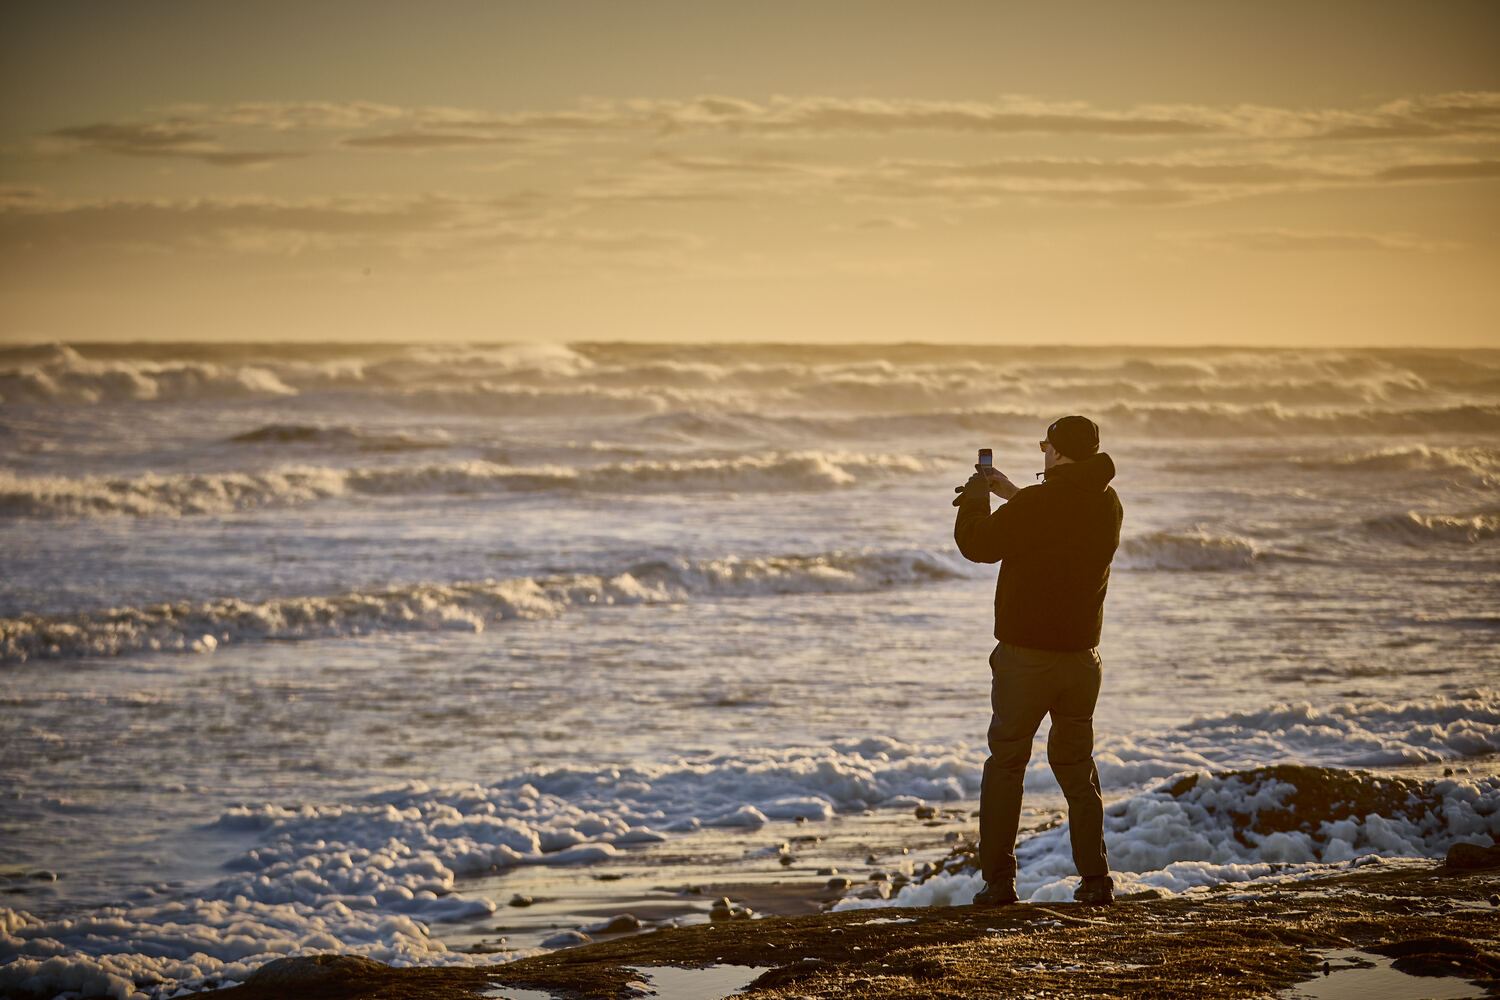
(1152, 173)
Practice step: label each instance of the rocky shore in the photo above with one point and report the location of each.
(1411, 918)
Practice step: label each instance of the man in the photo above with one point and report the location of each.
(1054, 542)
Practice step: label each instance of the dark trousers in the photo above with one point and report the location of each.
(1027, 685)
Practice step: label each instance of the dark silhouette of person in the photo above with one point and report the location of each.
(1054, 542)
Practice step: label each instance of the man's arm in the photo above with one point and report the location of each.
(983, 536)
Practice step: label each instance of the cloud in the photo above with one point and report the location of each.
(1287, 240)
(205, 222)
(751, 163)
(32, 222)
(1119, 182)
(1176, 180)
(173, 138)
(1467, 170)
(286, 116)
(1460, 114)
(884, 222)
(368, 125)
(415, 140)
(813, 115)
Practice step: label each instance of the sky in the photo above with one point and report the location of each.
(1162, 172)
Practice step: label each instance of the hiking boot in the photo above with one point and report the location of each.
(1095, 890)
(996, 894)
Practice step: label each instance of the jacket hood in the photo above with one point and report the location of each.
(1091, 475)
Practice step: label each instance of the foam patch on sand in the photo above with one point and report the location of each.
(370, 877)
(1360, 733)
(1204, 830)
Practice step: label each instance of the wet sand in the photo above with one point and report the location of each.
(1434, 919)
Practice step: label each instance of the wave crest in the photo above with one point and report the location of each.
(1484, 462)
(1415, 528)
(465, 606)
(1190, 551)
(226, 492)
(62, 375)
(341, 437)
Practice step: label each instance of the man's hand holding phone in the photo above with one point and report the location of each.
(997, 481)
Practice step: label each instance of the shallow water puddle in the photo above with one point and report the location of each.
(1356, 975)
(672, 983)
(666, 982)
(516, 993)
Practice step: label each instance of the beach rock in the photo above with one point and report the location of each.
(566, 939)
(839, 882)
(723, 909)
(1495, 899)
(1440, 956)
(871, 859)
(620, 923)
(520, 899)
(879, 877)
(1468, 857)
(828, 871)
(926, 812)
(787, 859)
(290, 976)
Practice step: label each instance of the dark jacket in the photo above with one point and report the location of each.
(1054, 542)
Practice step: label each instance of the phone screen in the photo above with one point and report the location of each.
(986, 457)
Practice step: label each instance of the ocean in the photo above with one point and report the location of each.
(314, 647)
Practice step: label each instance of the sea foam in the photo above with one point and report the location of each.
(1205, 829)
(371, 876)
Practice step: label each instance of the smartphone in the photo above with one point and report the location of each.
(986, 458)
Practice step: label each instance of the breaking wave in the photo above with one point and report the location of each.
(1193, 551)
(62, 375)
(202, 626)
(1196, 393)
(1421, 457)
(352, 438)
(1415, 528)
(225, 492)
(1119, 420)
